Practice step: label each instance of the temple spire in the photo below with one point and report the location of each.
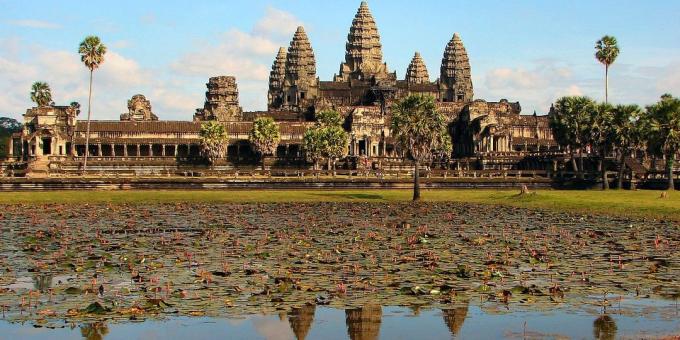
(417, 71)
(363, 50)
(300, 62)
(455, 79)
(276, 79)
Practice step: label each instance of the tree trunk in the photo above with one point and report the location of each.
(87, 132)
(574, 166)
(606, 84)
(416, 181)
(262, 155)
(603, 166)
(622, 167)
(670, 163)
(581, 170)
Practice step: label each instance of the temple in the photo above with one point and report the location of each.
(484, 133)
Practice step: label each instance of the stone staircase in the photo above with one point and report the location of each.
(39, 168)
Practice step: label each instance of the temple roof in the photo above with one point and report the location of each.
(455, 68)
(417, 71)
(363, 50)
(300, 62)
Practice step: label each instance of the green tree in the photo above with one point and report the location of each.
(41, 94)
(627, 134)
(665, 135)
(92, 53)
(571, 123)
(8, 126)
(214, 140)
(419, 130)
(606, 51)
(265, 137)
(329, 118)
(313, 143)
(335, 145)
(602, 136)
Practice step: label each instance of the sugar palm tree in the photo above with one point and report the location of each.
(602, 136)
(420, 130)
(41, 94)
(92, 53)
(606, 51)
(665, 123)
(214, 139)
(571, 123)
(265, 137)
(627, 134)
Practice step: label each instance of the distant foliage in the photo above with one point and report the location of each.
(327, 139)
(265, 136)
(214, 140)
(8, 126)
(664, 136)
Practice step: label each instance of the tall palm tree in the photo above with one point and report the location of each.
(214, 140)
(420, 130)
(41, 94)
(665, 123)
(606, 51)
(92, 53)
(571, 123)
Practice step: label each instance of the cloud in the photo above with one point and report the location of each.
(175, 89)
(32, 23)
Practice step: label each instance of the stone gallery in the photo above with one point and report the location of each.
(54, 138)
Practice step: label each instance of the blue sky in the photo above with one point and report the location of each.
(526, 51)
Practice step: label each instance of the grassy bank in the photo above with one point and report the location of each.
(615, 203)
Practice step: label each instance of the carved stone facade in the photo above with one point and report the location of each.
(363, 92)
(221, 101)
(139, 109)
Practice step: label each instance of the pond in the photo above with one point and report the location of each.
(334, 270)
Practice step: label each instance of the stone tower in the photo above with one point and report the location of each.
(221, 101)
(455, 82)
(363, 51)
(276, 79)
(417, 71)
(301, 86)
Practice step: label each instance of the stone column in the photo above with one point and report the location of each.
(176, 149)
(99, 149)
(113, 150)
(139, 151)
(150, 150)
(163, 150)
(125, 150)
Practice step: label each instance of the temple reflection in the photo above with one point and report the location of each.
(94, 330)
(364, 323)
(454, 318)
(301, 320)
(604, 328)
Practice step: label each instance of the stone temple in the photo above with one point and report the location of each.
(486, 134)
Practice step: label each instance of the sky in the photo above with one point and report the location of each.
(531, 51)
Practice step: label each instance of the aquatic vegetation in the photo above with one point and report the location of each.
(132, 261)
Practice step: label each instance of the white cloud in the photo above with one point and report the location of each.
(32, 23)
(174, 89)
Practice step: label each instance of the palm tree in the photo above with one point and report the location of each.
(214, 139)
(41, 94)
(571, 123)
(627, 134)
(92, 53)
(265, 137)
(665, 123)
(420, 130)
(602, 135)
(606, 51)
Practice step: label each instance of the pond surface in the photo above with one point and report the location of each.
(634, 319)
(322, 270)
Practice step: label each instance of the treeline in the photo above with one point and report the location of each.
(8, 126)
(579, 123)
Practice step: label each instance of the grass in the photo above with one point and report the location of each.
(613, 203)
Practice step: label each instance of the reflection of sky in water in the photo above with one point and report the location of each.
(395, 323)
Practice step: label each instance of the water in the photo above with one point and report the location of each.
(644, 318)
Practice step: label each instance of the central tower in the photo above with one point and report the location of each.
(363, 50)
